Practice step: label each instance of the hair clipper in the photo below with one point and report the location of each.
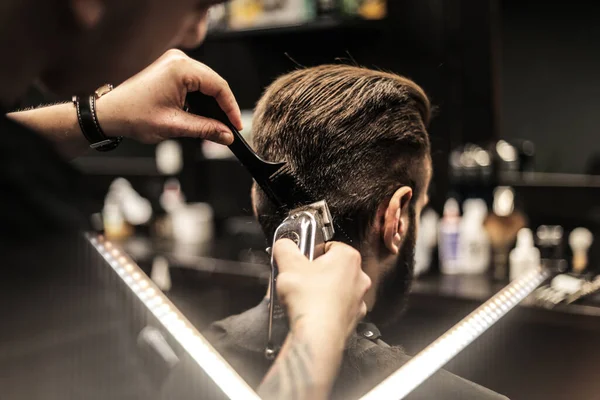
(309, 227)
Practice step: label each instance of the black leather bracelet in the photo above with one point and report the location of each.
(90, 127)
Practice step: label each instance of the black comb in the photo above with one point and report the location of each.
(274, 178)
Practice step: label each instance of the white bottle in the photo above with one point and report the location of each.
(426, 241)
(160, 274)
(525, 256)
(474, 243)
(448, 238)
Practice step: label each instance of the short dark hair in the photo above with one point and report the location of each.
(351, 135)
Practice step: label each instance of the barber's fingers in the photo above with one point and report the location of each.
(287, 254)
(365, 282)
(207, 81)
(340, 251)
(183, 124)
(329, 245)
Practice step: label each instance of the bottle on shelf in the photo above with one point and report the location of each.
(448, 238)
(525, 256)
(474, 243)
(124, 209)
(502, 226)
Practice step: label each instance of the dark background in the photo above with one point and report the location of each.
(494, 69)
(550, 82)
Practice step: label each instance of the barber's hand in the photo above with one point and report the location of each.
(328, 290)
(149, 106)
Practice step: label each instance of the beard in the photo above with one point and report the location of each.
(394, 287)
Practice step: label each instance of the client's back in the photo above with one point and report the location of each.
(350, 135)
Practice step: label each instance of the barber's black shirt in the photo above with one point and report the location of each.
(66, 329)
(40, 193)
(241, 340)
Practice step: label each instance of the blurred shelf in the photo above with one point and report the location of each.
(127, 166)
(544, 179)
(530, 179)
(478, 289)
(443, 289)
(208, 259)
(318, 25)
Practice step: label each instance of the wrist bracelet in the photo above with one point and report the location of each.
(88, 122)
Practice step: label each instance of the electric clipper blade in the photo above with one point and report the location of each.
(310, 227)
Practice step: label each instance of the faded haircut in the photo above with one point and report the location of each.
(351, 135)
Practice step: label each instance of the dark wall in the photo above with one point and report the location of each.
(444, 45)
(551, 80)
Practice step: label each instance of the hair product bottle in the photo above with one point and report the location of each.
(502, 227)
(474, 243)
(525, 256)
(448, 238)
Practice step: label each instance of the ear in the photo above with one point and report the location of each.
(88, 13)
(395, 218)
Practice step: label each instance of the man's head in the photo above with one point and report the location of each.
(99, 41)
(356, 138)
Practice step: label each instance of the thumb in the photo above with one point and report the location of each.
(287, 255)
(184, 124)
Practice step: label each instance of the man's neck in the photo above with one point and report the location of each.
(25, 32)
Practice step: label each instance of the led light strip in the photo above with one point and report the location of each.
(442, 350)
(171, 318)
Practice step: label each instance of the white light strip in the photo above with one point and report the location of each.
(171, 318)
(442, 350)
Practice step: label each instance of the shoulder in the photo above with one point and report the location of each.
(374, 363)
(242, 348)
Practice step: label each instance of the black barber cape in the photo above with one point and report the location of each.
(241, 340)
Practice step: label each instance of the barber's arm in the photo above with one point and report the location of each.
(324, 302)
(148, 108)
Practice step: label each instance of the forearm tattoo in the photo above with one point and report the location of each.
(290, 377)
